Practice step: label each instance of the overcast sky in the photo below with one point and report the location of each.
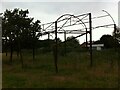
(49, 11)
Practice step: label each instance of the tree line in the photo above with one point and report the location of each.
(109, 41)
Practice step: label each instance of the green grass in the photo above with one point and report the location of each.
(74, 71)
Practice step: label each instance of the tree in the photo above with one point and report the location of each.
(35, 27)
(19, 30)
(109, 41)
(72, 43)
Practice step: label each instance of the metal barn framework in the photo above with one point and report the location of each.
(64, 25)
(67, 24)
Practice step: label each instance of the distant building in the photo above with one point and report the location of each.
(97, 46)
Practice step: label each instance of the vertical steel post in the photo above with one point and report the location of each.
(86, 38)
(115, 36)
(48, 35)
(118, 68)
(115, 47)
(56, 48)
(70, 21)
(117, 50)
(48, 39)
(6, 44)
(65, 42)
(90, 26)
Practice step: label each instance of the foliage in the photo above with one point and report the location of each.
(18, 28)
(109, 41)
(97, 42)
(72, 43)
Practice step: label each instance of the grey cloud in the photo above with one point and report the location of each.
(60, 0)
(59, 8)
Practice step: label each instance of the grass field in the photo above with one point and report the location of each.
(74, 71)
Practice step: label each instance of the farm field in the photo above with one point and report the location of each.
(74, 70)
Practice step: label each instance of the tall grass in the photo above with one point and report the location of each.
(74, 70)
